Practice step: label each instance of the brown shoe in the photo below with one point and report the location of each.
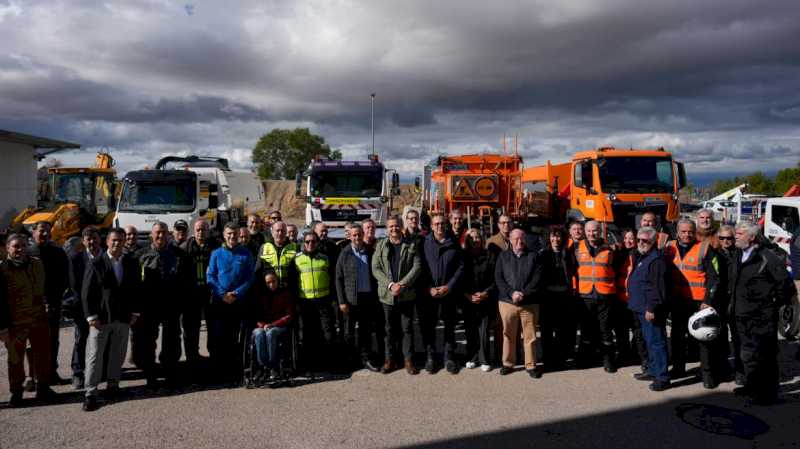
(410, 368)
(387, 367)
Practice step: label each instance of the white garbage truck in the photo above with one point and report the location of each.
(195, 187)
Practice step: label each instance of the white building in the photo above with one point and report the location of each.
(19, 154)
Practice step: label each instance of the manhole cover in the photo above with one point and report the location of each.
(721, 420)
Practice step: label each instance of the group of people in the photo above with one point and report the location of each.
(337, 297)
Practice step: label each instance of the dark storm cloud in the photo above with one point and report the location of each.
(716, 81)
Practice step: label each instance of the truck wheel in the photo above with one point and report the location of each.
(789, 319)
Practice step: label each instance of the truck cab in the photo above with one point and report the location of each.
(338, 192)
(781, 219)
(618, 186)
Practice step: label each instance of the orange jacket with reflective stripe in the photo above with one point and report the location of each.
(623, 272)
(691, 282)
(595, 272)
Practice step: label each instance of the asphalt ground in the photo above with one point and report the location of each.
(580, 408)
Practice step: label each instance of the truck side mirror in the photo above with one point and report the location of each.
(417, 183)
(213, 201)
(396, 183)
(298, 183)
(681, 175)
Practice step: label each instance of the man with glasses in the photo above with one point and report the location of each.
(316, 305)
(413, 230)
(646, 298)
(726, 258)
(444, 265)
(274, 217)
(500, 241)
(458, 226)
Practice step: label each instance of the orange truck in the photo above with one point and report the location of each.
(614, 186)
(480, 185)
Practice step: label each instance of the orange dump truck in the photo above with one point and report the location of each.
(611, 185)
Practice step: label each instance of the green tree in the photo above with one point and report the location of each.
(786, 178)
(758, 182)
(281, 153)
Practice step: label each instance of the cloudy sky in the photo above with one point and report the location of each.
(717, 82)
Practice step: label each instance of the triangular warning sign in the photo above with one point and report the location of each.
(463, 191)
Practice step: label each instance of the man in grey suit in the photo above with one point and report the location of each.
(109, 295)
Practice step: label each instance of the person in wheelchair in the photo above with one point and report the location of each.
(273, 313)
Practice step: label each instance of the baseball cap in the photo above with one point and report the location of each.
(181, 225)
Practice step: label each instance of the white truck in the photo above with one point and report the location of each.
(781, 217)
(197, 187)
(338, 192)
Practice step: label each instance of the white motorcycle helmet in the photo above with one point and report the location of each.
(705, 324)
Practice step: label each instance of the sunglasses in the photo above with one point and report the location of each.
(275, 218)
(308, 242)
(725, 238)
(644, 240)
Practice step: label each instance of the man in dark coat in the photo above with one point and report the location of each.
(443, 260)
(759, 285)
(646, 298)
(56, 278)
(110, 295)
(78, 262)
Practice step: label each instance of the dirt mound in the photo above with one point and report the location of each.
(280, 196)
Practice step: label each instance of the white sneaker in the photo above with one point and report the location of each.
(471, 365)
(486, 368)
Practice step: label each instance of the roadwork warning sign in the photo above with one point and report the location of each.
(463, 191)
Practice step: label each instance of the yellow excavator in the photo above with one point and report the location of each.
(73, 198)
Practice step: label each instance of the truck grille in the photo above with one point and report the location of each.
(626, 215)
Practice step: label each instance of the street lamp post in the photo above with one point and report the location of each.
(372, 119)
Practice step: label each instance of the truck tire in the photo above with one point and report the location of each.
(789, 319)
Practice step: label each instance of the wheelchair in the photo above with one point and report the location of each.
(256, 376)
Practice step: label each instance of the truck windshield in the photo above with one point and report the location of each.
(72, 188)
(366, 183)
(636, 174)
(152, 197)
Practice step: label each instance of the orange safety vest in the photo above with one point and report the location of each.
(595, 272)
(622, 278)
(661, 240)
(692, 277)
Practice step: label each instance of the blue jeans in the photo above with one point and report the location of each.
(267, 346)
(655, 337)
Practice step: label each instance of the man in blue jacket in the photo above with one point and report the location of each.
(444, 262)
(646, 291)
(229, 275)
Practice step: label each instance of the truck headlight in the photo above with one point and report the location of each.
(675, 196)
(612, 197)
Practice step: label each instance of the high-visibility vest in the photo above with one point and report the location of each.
(692, 281)
(623, 273)
(313, 272)
(661, 240)
(595, 272)
(279, 261)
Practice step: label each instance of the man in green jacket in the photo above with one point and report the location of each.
(396, 265)
(22, 290)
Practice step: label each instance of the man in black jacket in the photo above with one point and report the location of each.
(109, 296)
(77, 269)
(759, 285)
(198, 251)
(166, 277)
(56, 278)
(356, 290)
(518, 275)
(444, 265)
